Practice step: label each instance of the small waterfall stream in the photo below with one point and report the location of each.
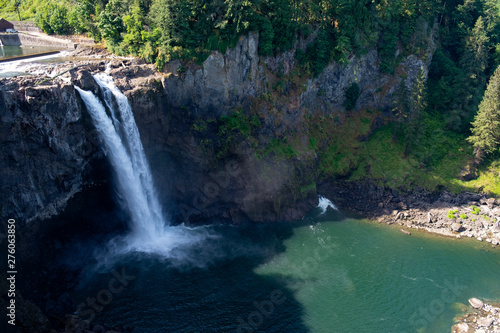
(324, 203)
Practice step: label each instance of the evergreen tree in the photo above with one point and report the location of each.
(470, 84)
(401, 108)
(486, 126)
(134, 22)
(281, 19)
(17, 4)
(417, 102)
(111, 21)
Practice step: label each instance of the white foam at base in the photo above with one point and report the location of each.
(324, 203)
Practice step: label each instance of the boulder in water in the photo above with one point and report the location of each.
(476, 303)
(462, 328)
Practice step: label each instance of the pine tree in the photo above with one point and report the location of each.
(111, 21)
(417, 105)
(486, 126)
(400, 109)
(470, 84)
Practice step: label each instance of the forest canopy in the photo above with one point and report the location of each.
(161, 30)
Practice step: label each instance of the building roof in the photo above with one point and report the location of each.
(4, 24)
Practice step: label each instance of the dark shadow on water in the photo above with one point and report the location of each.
(224, 296)
(53, 251)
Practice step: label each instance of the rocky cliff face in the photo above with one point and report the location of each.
(206, 167)
(223, 82)
(229, 80)
(45, 148)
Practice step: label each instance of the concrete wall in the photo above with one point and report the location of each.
(10, 39)
(29, 40)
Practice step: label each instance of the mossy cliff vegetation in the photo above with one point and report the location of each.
(395, 94)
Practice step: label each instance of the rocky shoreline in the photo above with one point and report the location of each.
(463, 215)
(484, 319)
(474, 219)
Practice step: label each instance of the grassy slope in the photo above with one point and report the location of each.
(382, 160)
(340, 143)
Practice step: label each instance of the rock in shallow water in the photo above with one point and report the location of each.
(476, 303)
(462, 328)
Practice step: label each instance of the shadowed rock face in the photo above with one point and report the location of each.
(45, 148)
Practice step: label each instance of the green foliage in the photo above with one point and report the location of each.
(231, 129)
(459, 72)
(53, 19)
(111, 22)
(387, 47)
(417, 101)
(443, 83)
(313, 143)
(162, 30)
(451, 214)
(475, 210)
(200, 126)
(266, 36)
(318, 54)
(255, 121)
(351, 96)
(133, 38)
(463, 216)
(280, 15)
(281, 148)
(486, 126)
(238, 122)
(308, 188)
(279, 86)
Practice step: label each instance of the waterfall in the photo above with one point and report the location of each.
(123, 147)
(149, 231)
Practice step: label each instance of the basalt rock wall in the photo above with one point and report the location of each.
(49, 144)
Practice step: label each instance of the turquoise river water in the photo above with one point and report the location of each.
(310, 276)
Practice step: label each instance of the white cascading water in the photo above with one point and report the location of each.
(122, 145)
(324, 203)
